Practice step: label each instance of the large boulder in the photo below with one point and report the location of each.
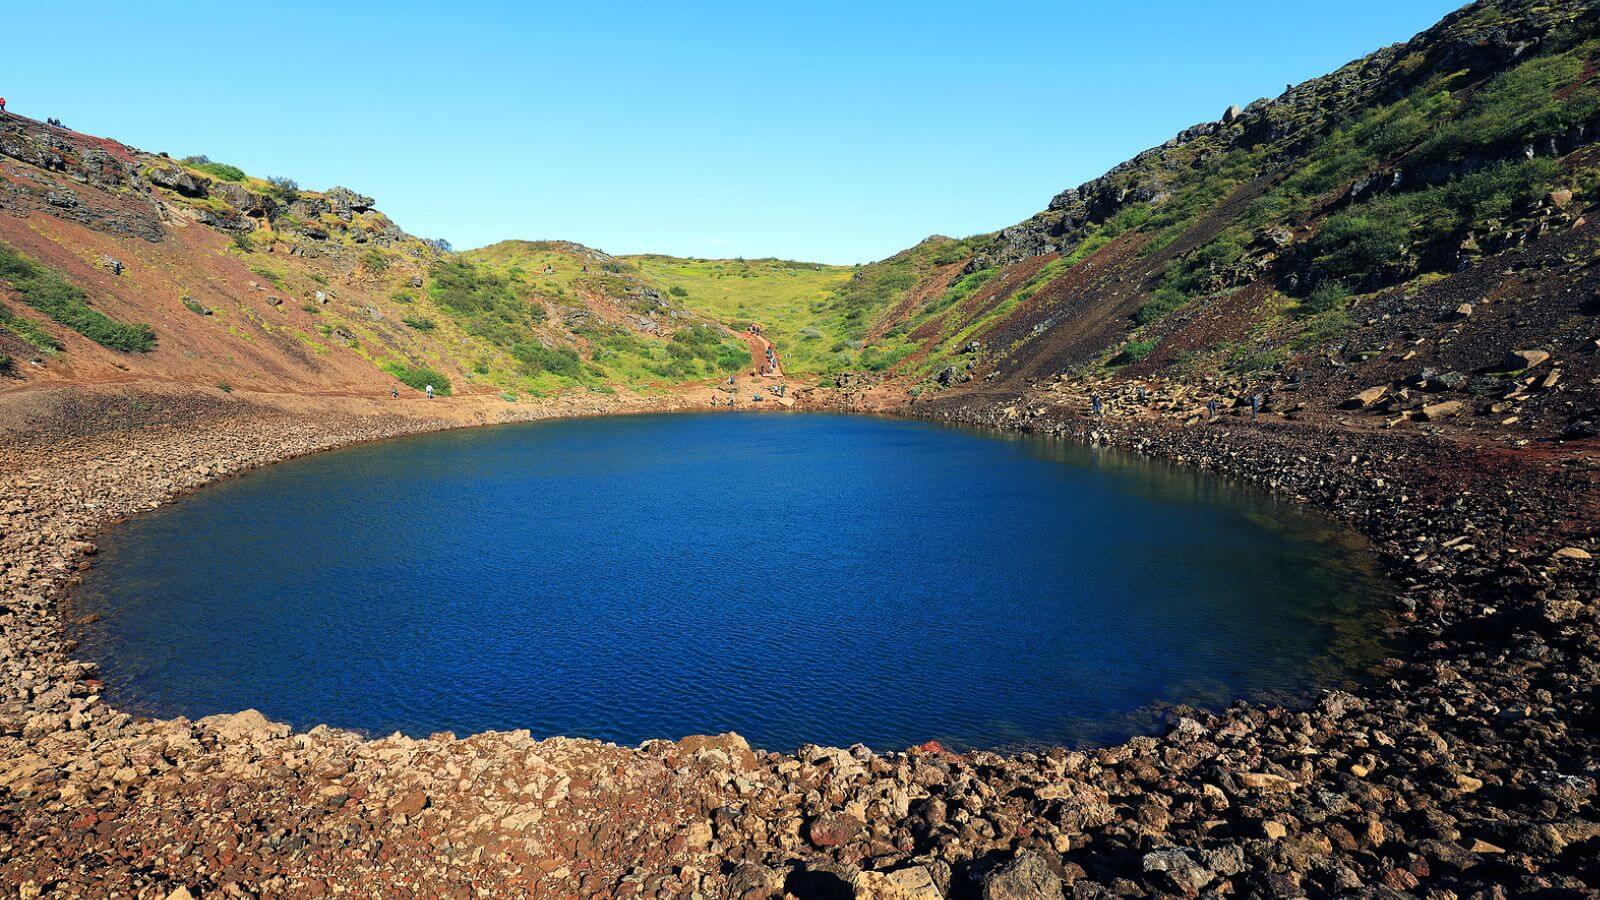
(913, 883)
(834, 829)
(1177, 870)
(1436, 411)
(246, 201)
(1518, 360)
(1023, 877)
(729, 746)
(1366, 398)
(243, 727)
(345, 201)
(175, 179)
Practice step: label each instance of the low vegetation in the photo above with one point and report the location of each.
(419, 377)
(217, 170)
(31, 332)
(51, 293)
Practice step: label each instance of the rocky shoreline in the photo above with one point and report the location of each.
(1466, 769)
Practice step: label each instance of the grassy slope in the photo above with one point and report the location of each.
(791, 300)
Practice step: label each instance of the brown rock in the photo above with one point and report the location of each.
(1435, 411)
(1366, 398)
(1517, 360)
(410, 804)
(833, 829)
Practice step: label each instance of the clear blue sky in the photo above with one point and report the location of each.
(830, 131)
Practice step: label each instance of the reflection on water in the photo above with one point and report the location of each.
(792, 577)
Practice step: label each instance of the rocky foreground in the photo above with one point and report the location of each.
(1468, 768)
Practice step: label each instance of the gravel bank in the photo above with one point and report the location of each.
(1466, 768)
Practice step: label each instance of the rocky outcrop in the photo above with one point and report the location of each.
(177, 179)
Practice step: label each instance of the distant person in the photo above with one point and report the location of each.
(1095, 406)
(394, 392)
(1211, 408)
(2, 106)
(1255, 406)
(430, 391)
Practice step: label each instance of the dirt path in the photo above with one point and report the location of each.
(758, 355)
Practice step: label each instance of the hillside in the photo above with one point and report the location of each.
(1385, 238)
(226, 281)
(1403, 224)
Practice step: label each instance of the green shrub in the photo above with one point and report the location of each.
(221, 171)
(1163, 301)
(1245, 361)
(193, 306)
(1133, 351)
(50, 293)
(536, 358)
(1325, 297)
(244, 243)
(700, 345)
(269, 276)
(678, 290)
(284, 190)
(875, 359)
(5, 363)
(459, 285)
(1321, 329)
(1385, 240)
(375, 262)
(419, 377)
(34, 333)
(420, 323)
(1526, 103)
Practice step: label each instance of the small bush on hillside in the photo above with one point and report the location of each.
(678, 290)
(193, 306)
(244, 243)
(420, 323)
(535, 358)
(5, 363)
(705, 346)
(375, 262)
(875, 359)
(1134, 351)
(269, 276)
(1163, 302)
(1526, 103)
(217, 170)
(1322, 329)
(1244, 361)
(34, 333)
(462, 286)
(419, 377)
(50, 293)
(1325, 297)
(284, 190)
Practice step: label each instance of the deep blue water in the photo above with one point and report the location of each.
(793, 577)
